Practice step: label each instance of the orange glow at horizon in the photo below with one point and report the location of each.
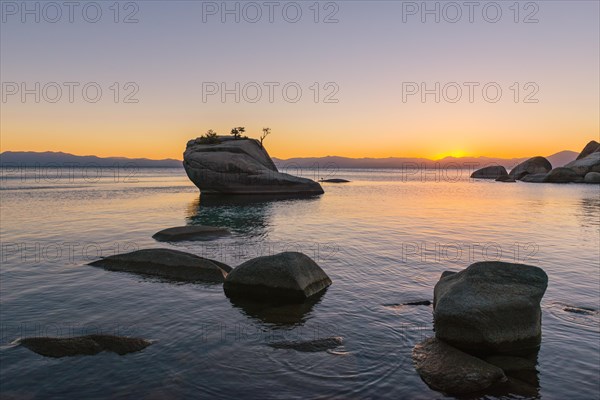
(156, 144)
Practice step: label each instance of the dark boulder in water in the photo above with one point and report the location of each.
(84, 345)
(449, 370)
(535, 165)
(166, 263)
(490, 307)
(418, 303)
(190, 232)
(492, 172)
(334, 180)
(289, 276)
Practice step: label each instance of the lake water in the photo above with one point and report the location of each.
(384, 239)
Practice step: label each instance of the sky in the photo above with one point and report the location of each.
(346, 78)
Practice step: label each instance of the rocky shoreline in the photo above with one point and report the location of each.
(584, 169)
(487, 323)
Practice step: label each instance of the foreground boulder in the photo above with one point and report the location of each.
(535, 165)
(496, 172)
(239, 166)
(171, 264)
(83, 345)
(190, 232)
(562, 175)
(452, 371)
(490, 307)
(288, 276)
(592, 177)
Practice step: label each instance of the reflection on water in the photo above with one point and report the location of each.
(278, 314)
(245, 214)
(589, 211)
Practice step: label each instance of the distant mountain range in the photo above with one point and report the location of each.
(60, 159)
(557, 160)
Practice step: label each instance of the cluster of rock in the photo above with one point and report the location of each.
(280, 278)
(584, 169)
(240, 166)
(487, 322)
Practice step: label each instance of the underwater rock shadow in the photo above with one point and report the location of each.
(245, 214)
(277, 313)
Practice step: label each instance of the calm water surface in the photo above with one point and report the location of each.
(384, 239)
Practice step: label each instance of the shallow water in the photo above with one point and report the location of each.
(384, 239)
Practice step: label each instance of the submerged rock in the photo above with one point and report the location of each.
(288, 276)
(562, 175)
(190, 232)
(171, 264)
(310, 346)
(418, 303)
(519, 368)
(491, 307)
(240, 166)
(535, 165)
(496, 172)
(83, 345)
(452, 371)
(580, 310)
(335, 180)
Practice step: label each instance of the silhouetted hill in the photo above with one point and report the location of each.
(60, 159)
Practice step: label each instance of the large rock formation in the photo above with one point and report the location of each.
(451, 371)
(497, 172)
(591, 147)
(535, 165)
(288, 276)
(585, 165)
(490, 307)
(239, 166)
(83, 345)
(171, 264)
